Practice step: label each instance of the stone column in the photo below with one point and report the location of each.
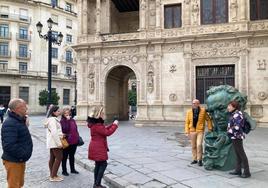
(83, 5)
(186, 10)
(142, 14)
(187, 64)
(243, 10)
(98, 16)
(158, 14)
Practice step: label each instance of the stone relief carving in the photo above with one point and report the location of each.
(195, 12)
(216, 44)
(123, 59)
(172, 68)
(91, 84)
(258, 26)
(258, 42)
(173, 48)
(261, 64)
(262, 95)
(233, 8)
(256, 111)
(150, 79)
(119, 51)
(173, 97)
(216, 53)
(187, 2)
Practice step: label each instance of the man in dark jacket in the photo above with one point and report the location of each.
(16, 142)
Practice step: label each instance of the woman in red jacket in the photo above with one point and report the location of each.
(98, 147)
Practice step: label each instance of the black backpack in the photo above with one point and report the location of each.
(246, 127)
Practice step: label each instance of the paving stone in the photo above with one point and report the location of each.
(162, 178)
(137, 178)
(154, 184)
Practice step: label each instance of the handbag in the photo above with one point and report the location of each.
(64, 143)
(80, 141)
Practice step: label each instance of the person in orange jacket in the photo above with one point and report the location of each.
(194, 129)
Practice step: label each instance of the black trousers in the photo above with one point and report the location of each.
(99, 170)
(241, 157)
(2, 118)
(69, 151)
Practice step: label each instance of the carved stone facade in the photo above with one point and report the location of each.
(164, 61)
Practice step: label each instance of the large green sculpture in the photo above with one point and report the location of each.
(219, 153)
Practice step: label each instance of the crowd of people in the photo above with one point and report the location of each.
(17, 143)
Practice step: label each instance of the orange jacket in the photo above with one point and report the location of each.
(200, 126)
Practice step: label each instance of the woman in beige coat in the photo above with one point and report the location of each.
(54, 133)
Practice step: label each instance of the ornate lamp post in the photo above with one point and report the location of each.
(75, 89)
(51, 39)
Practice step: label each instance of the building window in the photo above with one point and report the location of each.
(69, 58)
(54, 19)
(54, 69)
(4, 11)
(4, 49)
(68, 71)
(3, 66)
(4, 31)
(258, 9)
(54, 3)
(214, 11)
(23, 50)
(53, 90)
(69, 38)
(54, 34)
(66, 96)
(68, 7)
(24, 14)
(23, 33)
(23, 67)
(207, 76)
(24, 94)
(172, 16)
(69, 24)
(55, 53)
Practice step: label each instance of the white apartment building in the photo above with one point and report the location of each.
(24, 55)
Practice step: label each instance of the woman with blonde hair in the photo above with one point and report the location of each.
(69, 128)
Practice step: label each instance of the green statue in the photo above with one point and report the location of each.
(219, 153)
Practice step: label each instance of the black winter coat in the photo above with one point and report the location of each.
(16, 139)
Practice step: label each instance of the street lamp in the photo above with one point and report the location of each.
(51, 39)
(75, 90)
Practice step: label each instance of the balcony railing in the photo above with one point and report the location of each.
(23, 37)
(23, 71)
(3, 67)
(5, 35)
(5, 53)
(23, 55)
(16, 17)
(69, 60)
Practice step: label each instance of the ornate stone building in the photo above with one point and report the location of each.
(24, 55)
(176, 49)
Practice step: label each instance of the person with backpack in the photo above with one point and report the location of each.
(237, 135)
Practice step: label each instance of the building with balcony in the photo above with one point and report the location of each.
(176, 49)
(24, 55)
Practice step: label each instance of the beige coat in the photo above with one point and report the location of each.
(54, 132)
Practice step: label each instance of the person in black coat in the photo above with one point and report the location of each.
(16, 142)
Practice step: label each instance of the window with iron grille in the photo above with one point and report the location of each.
(24, 94)
(69, 38)
(4, 49)
(258, 9)
(69, 58)
(172, 16)
(55, 53)
(23, 67)
(24, 14)
(3, 66)
(4, 30)
(54, 70)
(214, 11)
(68, 71)
(54, 3)
(23, 33)
(208, 76)
(23, 50)
(68, 7)
(54, 34)
(66, 96)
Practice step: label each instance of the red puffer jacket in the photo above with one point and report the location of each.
(98, 147)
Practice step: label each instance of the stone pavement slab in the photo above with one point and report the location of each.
(160, 157)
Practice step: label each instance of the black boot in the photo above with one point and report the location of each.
(238, 173)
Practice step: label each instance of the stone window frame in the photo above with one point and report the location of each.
(180, 14)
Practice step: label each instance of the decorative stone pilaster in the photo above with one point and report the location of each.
(143, 7)
(243, 66)
(158, 14)
(187, 64)
(195, 12)
(243, 10)
(234, 10)
(84, 16)
(186, 11)
(98, 16)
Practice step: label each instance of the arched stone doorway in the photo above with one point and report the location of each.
(117, 86)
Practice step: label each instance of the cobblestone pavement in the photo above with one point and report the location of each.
(156, 157)
(37, 172)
